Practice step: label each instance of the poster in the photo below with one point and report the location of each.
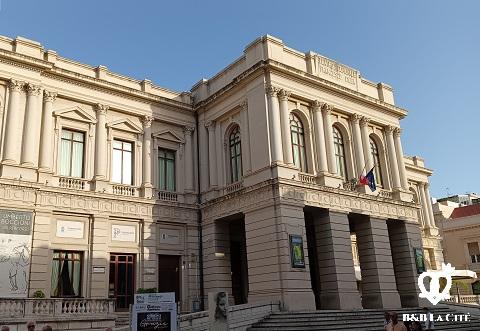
(419, 261)
(154, 311)
(296, 251)
(15, 251)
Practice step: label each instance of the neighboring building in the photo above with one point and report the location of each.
(462, 199)
(460, 230)
(108, 168)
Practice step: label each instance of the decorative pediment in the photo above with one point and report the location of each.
(75, 114)
(168, 135)
(125, 124)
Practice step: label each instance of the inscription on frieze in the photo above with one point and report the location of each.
(336, 72)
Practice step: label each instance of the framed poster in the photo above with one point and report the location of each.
(154, 317)
(476, 287)
(419, 261)
(296, 251)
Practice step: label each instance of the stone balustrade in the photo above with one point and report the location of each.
(126, 190)
(234, 187)
(168, 196)
(72, 183)
(307, 178)
(35, 308)
(464, 299)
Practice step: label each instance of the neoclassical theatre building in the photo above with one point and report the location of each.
(245, 184)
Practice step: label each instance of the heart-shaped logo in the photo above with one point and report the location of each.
(434, 295)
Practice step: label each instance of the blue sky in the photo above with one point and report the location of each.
(429, 51)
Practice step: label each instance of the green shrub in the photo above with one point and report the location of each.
(39, 294)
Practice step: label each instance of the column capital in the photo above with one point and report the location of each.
(49, 96)
(397, 132)
(389, 129)
(317, 105)
(364, 121)
(15, 85)
(188, 130)
(244, 105)
(271, 90)
(327, 108)
(422, 184)
(147, 121)
(101, 109)
(209, 124)
(283, 95)
(33, 90)
(355, 118)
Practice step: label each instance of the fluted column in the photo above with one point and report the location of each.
(101, 143)
(275, 127)
(147, 152)
(188, 130)
(367, 153)
(400, 160)
(320, 137)
(392, 156)
(425, 211)
(285, 121)
(327, 124)
(46, 144)
(358, 145)
(11, 152)
(212, 157)
(426, 187)
(244, 132)
(31, 125)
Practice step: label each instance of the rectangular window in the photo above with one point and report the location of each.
(474, 252)
(166, 170)
(122, 162)
(71, 155)
(66, 274)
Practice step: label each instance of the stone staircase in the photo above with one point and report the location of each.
(122, 319)
(363, 320)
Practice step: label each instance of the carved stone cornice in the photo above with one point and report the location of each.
(15, 85)
(326, 108)
(49, 96)
(33, 90)
(317, 105)
(101, 109)
(147, 121)
(188, 130)
(283, 95)
(271, 90)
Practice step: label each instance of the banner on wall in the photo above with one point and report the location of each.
(15, 250)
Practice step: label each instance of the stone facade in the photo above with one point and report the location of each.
(242, 186)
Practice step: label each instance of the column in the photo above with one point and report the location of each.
(11, 152)
(379, 288)
(424, 202)
(219, 143)
(392, 157)
(404, 237)
(327, 124)
(320, 137)
(358, 145)
(285, 121)
(275, 127)
(46, 143)
(367, 153)
(147, 154)
(338, 285)
(188, 130)
(31, 126)
(401, 162)
(212, 157)
(244, 132)
(101, 143)
(429, 205)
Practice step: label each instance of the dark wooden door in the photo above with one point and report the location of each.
(122, 279)
(169, 274)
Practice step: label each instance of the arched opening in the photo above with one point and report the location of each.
(235, 154)
(339, 147)
(297, 136)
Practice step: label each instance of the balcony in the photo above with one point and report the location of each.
(168, 196)
(307, 178)
(237, 186)
(72, 183)
(125, 190)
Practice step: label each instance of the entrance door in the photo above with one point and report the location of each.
(122, 279)
(169, 274)
(238, 262)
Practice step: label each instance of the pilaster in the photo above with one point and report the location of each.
(285, 122)
(32, 123)
(275, 125)
(101, 148)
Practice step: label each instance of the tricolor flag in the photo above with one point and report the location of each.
(368, 179)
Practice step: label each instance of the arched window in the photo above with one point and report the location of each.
(235, 155)
(377, 170)
(298, 143)
(340, 153)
